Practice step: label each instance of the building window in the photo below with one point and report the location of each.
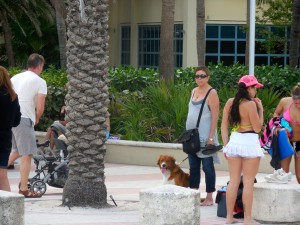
(149, 45)
(227, 44)
(125, 45)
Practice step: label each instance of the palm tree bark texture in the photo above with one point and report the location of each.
(166, 58)
(201, 32)
(86, 102)
(295, 34)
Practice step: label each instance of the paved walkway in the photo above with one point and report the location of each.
(124, 183)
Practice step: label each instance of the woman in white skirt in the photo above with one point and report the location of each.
(244, 114)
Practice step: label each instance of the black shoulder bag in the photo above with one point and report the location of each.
(190, 138)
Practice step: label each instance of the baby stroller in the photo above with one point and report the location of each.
(52, 170)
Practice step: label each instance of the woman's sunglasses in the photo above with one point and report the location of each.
(202, 76)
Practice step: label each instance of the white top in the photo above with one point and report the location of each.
(28, 85)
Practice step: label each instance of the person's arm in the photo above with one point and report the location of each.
(225, 122)
(62, 116)
(280, 108)
(41, 99)
(108, 123)
(214, 105)
(256, 114)
(18, 113)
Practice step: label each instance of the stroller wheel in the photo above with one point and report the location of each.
(39, 187)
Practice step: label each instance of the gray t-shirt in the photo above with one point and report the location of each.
(204, 125)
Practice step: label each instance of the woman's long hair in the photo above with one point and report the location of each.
(234, 114)
(5, 83)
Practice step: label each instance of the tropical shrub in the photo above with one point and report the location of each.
(142, 108)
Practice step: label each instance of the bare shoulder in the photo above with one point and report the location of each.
(249, 105)
(214, 92)
(229, 103)
(285, 100)
(194, 89)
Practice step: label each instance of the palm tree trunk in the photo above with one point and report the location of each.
(201, 31)
(60, 9)
(7, 38)
(86, 102)
(295, 34)
(166, 59)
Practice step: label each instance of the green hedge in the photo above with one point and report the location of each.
(144, 109)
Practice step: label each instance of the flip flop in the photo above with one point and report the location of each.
(29, 194)
(210, 149)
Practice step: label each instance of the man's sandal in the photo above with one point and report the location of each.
(29, 194)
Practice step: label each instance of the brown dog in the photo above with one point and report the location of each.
(172, 173)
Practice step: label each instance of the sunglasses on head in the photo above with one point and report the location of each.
(202, 76)
(295, 97)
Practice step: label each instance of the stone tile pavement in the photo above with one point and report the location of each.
(123, 182)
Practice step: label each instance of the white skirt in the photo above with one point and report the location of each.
(244, 145)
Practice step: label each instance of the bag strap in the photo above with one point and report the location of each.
(202, 106)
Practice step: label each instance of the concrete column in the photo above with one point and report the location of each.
(189, 36)
(169, 204)
(276, 203)
(11, 208)
(114, 34)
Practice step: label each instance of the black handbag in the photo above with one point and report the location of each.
(190, 138)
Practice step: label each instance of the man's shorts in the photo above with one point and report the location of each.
(4, 156)
(23, 138)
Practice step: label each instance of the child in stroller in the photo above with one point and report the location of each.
(51, 170)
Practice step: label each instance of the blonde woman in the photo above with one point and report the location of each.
(289, 108)
(10, 117)
(242, 150)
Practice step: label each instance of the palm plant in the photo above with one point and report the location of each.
(86, 102)
(14, 11)
(270, 99)
(60, 13)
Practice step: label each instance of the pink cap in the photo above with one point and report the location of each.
(250, 80)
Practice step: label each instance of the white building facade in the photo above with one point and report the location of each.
(134, 29)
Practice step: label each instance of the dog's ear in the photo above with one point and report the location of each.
(172, 159)
(158, 161)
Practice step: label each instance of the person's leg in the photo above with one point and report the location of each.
(12, 157)
(297, 166)
(195, 163)
(250, 169)
(285, 164)
(4, 155)
(25, 167)
(52, 137)
(47, 138)
(26, 147)
(13, 154)
(235, 170)
(210, 180)
(4, 183)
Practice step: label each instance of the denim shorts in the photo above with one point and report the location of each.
(4, 155)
